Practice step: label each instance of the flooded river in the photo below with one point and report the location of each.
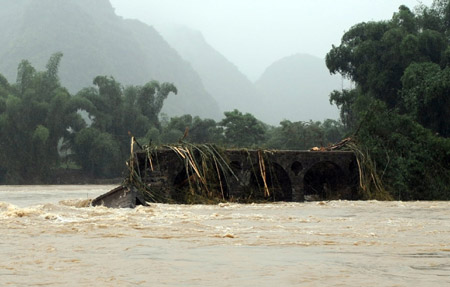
(48, 239)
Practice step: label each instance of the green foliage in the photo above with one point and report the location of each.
(4, 90)
(344, 100)
(425, 96)
(245, 131)
(205, 131)
(304, 135)
(242, 129)
(413, 163)
(153, 136)
(151, 98)
(400, 109)
(39, 119)
(197, 130)
(40, 135)
(118, 112)
(51, 78)
(98, 153)
(25, 76)
(35, 116)
(376, 54)
(171, 136)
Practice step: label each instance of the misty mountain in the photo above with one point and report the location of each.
(95, 41)
(296, 88)
(221, 78)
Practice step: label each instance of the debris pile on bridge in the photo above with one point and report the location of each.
(204, 179)
(370, 182)
(207, 174)
(205, 168)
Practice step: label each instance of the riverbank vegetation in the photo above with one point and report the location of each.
(397, 114)
(399, 111)
(44, 128)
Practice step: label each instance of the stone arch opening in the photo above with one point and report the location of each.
(325, 180)
(180, 186)
(277, 180)
(296, 167)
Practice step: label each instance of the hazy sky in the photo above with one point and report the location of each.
(254, 33)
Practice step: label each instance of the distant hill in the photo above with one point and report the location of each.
(222, 79)
(95, 41)
(297, 88)
(294, 88)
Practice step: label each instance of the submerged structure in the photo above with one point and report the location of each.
(188, 173)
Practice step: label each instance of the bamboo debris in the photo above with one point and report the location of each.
(336, 146)
(262, 169)
(205, 166)
(131, 165)
(149, 156)
(370, 183)
(220, 180)
(207, 173)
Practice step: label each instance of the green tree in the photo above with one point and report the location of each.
(385, 58)
(119, 112)
(426, 96)
(242, 130)
(198, 130)
(98, 153)
(399, 110)
(206, 131)
(151, 98)
(413, 163)
(344, 100)
(304, 135)
(37, 113)
(39, 118)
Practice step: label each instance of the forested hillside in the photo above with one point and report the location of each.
(94, 42)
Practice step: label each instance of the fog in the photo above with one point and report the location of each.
(254, 33)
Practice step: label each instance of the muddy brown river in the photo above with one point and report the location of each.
(48, 239)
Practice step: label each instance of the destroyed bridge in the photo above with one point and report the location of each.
(250, 175)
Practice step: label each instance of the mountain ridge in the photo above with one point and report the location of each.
(95, 41)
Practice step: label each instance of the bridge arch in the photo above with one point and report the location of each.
(296, 167)
(277, 180)
(324, 180)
